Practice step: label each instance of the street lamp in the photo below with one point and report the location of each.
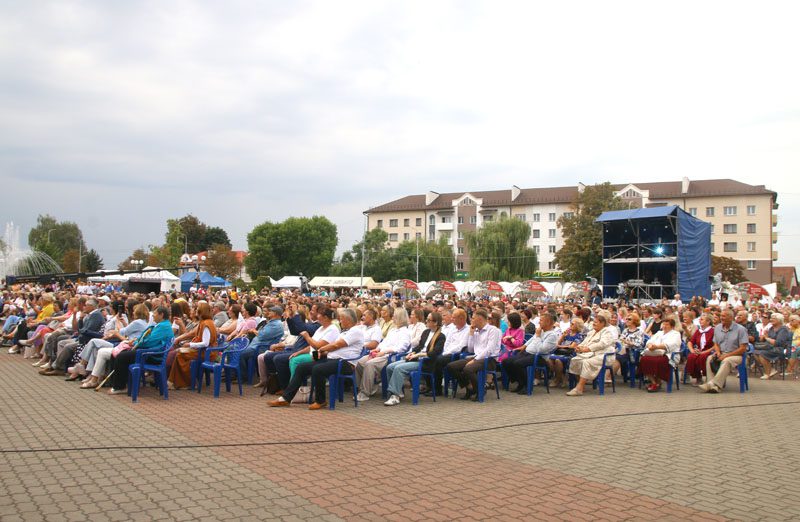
(48, 235)
(137, 263)
(196, 260)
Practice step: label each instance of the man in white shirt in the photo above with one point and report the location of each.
(371, 329)
(484, 342)
(456, 340)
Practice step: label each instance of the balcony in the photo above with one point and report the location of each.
(774, 237)
(774, 220)
(774, 255)
(444, 226)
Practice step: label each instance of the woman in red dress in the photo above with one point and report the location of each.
(700, 347)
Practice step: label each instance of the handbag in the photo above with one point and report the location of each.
(303, 393)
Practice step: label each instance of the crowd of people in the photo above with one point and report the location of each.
(294, 342)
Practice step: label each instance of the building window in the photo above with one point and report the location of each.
(551, 265)
(693, 211)
(551, 233)
(521, 217)
(473, 220)
(447, 219)
(466, 202)
(536, 233)
(729, 246)
(569, 215)
(406, 222)
(751, 246)
(380, 224)
(393, 237)
(460, 220)
(551, 249)
(460, 265)
(460, 234)
(536, 218)
(751, 228)
(712, 228)
(712, 247)
(729, 211)
(419, 222)
(460, 250)
(551, 216)
(488, 218)
(751, 210)
(751, 265)
(406, 236)
(432, 220)
(729, 228)
(536, 249)
(709, 211)
(418, 235)
(392, 223)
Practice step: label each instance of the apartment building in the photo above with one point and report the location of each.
(742, 216)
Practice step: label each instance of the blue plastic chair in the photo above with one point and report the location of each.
(336, 383)
(195, 369)
(675, 373)
(416, 377)
(744, 385)
(229, 362)
(532, 371)
(483, 374)
(449, 380)
(385, 375)
(599, 382)
(633, 362)
(136, 371)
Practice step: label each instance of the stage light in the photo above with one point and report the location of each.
(660, 250)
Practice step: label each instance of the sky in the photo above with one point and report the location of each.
(121, 115)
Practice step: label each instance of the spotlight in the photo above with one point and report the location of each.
(660, 250)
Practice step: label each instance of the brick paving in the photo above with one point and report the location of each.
(600, 458)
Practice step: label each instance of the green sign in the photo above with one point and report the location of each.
(461, 274)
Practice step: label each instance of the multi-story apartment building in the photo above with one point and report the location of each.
(742, 217)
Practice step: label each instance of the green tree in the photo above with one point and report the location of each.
(139, 254)
(55, 238)
(92, 262)
(70, 260)
(215, 236)
(223, 262)
(295, 245)
(373, 247)
(582, 253)
(499, 251)
(194, 231)
(730, 269)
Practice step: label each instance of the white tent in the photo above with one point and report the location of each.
(286, 282)
(168, 280)
(341, 282)
(110, 278)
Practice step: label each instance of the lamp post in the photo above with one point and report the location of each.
(196, 260)
(48, 235)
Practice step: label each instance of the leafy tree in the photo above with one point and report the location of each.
(223, 262)
(55, 238)
(139, 253)
(92, 262)
(70, 260)
(374, 244)
(499, 251)
(215, 236)
(582, 253)
(730, 269)
(194, 230)
(296, 245)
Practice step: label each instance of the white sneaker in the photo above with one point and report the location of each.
(764, 377)
(46, 366)
(361, 397)
(13, 349)
(394, 400)
(25, 342)
(772, 374)
(574, 392)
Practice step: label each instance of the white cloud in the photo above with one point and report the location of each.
(242, 112)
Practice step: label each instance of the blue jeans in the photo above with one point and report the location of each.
(397, 372)
(247, 359)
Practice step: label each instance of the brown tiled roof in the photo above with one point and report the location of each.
(538, 196)
(784, 274)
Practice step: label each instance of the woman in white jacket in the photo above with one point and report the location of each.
(589, 354)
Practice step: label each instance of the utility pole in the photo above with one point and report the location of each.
(363, 241)
(417, 242)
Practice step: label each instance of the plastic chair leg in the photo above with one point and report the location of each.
(496, 387)
(239, 380)
(481, 385)
(134, 377)
(384, 382)
(217, 379)
(227, 379)
(415, 378)
(193, 371)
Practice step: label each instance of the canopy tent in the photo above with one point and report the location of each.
(379, 286)
(341, 282)
(286, 282)
(110, 278)
(406, 284)
(748, 288)
(189, 280)
(165, 280)
(657, 251)
(436, 287)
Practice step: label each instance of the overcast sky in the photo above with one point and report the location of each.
(120, 115)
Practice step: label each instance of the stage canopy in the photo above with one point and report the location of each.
(341, 282)
(661, 246)
(188, 280)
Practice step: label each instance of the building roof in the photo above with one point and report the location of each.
(787, 274)
(549, 195)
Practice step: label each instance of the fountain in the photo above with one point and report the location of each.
(18, 262)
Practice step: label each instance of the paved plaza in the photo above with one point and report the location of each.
(627, 455)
